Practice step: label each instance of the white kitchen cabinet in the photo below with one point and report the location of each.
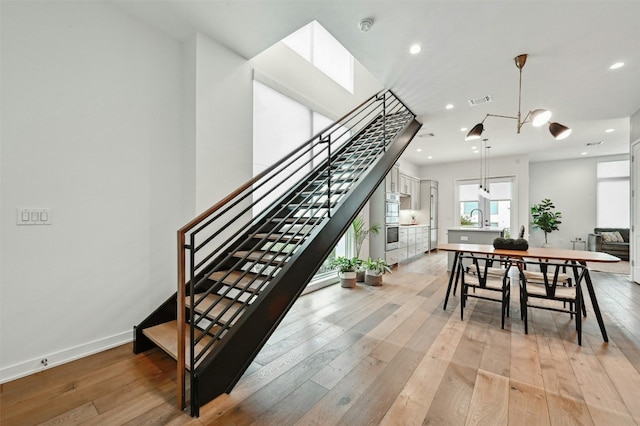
(405, 184)
(413, 241)
(392, 181)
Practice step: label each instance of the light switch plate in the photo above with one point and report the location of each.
(27, 216)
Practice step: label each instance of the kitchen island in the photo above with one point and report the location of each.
(471, 235)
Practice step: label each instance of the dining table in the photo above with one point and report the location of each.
(580, 257)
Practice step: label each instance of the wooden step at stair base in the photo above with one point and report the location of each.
(166, 337)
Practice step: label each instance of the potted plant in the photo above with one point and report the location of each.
(375, 270)
(360, 233)
(346, 270)
(545, 218)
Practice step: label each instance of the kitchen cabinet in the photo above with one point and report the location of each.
(409, 192)
(413, 241)
(392, 181)
(429, 208)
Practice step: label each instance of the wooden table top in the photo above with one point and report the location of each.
(535, 252)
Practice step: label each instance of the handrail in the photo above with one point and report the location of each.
(271, 236)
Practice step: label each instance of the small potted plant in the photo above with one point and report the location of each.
(375, 270)
(347, 268)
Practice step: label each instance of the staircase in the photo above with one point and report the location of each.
(244, 262)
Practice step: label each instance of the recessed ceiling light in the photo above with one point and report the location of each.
(476, 151)
(584, 153)
(616, 65)
(419, 150)
(474, 147)
(463, 129)
(610, 130)
(430, 157)
(415, 49)
(449, 106)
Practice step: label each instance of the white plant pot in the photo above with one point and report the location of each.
(373, 278)
(347, 279)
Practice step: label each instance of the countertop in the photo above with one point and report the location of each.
(474, 229)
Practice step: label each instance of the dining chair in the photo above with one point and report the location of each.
(536, 277)
(548, 290)
(486, 281)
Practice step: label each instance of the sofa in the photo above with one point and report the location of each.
(614, 241)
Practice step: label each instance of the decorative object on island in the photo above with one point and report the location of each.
(545, 218)
(347, 268)
(375, 270)
(511, 244)
(360, 234)
(536, 117)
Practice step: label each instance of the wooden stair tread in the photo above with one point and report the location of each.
(217, 310)
(288, 238)
(262, 256)
(165, 335)
(237, 280)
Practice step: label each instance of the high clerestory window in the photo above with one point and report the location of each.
(316, 45)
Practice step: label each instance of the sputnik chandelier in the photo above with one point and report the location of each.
(537, 117)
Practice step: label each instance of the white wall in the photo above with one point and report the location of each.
(224, 122)
(447, 174)
(103, 121)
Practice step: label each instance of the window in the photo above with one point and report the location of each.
(316, 45)
(613, 189)
(495, 211)
(280, 125)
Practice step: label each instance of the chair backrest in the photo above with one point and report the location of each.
(551, 273)
(483, 267)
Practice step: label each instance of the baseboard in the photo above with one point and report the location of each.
(36, 365)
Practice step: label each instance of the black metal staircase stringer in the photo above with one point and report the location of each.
(232, 358)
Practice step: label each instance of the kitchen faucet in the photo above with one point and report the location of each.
(480, 217)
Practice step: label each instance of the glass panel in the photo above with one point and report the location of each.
(468, 192)
(613, 204)
(610, 169)
(280, 125)
(465, 213)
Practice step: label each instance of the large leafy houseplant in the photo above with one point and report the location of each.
(361, 232)
(545, 218)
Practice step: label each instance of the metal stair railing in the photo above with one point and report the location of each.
(321, 171)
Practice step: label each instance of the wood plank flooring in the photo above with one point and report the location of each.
(386, 355)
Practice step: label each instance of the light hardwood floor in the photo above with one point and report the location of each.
(385, 355)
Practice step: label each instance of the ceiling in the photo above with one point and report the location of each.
(468, 51)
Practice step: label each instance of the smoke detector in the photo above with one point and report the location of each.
(365, 25)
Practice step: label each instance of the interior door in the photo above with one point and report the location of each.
(635, 213)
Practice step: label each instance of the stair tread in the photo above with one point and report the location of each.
(235, 279)
(282, 237)
(165, 335)
(262, 256)
(223, 303)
